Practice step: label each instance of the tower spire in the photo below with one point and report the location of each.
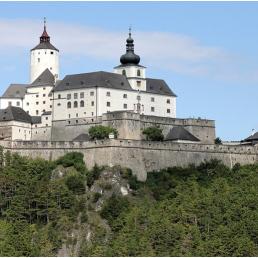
(44, 37)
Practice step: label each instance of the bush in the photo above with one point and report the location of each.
(218, 141)
(153, 134)
(102, 132)
(93, 175)
(75, 184)
(96, 197)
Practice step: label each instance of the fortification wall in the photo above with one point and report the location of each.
(141, 156)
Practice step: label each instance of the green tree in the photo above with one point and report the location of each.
(102, 132)
(153, 134)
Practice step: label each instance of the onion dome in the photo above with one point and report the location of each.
(130, 57)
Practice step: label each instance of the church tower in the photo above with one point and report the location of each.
(44, 56)
(130, 66)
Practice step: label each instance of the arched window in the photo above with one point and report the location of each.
(75, 104)
(69, 104)
(124, 72)
(138, 72)
(82, 103)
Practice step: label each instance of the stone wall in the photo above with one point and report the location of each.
(141, 156)
(130, 126)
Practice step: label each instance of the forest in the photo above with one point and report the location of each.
(205, 210)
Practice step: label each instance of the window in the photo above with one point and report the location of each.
(58, 104)
(46, 124)
(124, 72)
(44, 102)
(108, 94)
(82, 95)
(82, 103)
(168, 101)
(138, 83)
(75, 104)
(27, 103)
(69, 104)
(59, 96)
(69, 122)
(108, 104)
(152, 109)
(92, 93)
(125, 106)
(76, 114)
(168, 111)
(152, 99)
(76, 121)
(38, 60)
(37, 112)
(50, 106)
(68, 96)
(125, 96)
(138, 72)
(37, 96)
(46, 117)
(44, 88)
(44, 95)
(138, 98)
(92, 113)
(17, 103)
(52, 53)
(92, 103)
(75, 95)
(37, 103)
(69, 115)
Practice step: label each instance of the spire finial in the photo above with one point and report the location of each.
(130, 30)
(45, 22)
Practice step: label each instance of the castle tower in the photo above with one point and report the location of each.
(44, 56)
(130, 66)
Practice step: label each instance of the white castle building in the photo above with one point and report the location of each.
(80, 97)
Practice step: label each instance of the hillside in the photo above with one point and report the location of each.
(62, 208)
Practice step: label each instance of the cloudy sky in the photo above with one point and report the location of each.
(206, 52)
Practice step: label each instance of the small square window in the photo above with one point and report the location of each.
(92, 93)
(92, 103)
(69, 96)
(108, 104)
(37, 112)
(152, 99)
(59, 96)
(37, 103)
(168, 111)
(52, 53)
(44, 102)
(58, 104)
(152, 109)
(125, 96)
(44, 95)
(82, 95)
(17, 103)
(46, 118)
(27, 103)
(37, 96)
(168, 101)
(75, 95)
(125, 106)
(108, 93)
(44, 88)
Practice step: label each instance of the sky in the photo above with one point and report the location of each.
(207, 52)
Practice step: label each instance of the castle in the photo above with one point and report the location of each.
(50, 114)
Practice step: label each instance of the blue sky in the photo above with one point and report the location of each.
(206, 51)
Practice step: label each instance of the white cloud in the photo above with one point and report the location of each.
(174, 52)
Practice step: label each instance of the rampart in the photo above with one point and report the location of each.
(141, 156)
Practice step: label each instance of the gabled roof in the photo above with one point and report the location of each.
(252, 138)
(88, 80)
(82, 137)
(45, 45)
(14, 114)
(46, 78)
(180, 133)
(15, 91)
(158, 86)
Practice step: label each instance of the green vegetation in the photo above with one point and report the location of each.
(102, 132)
(153, 134)
(218, 141)
(208, 210)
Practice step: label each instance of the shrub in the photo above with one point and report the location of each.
(93, 175)
(70, 159)
(75, 184)
(96, 197)
(153, 134)
(218, 141)
(102, 132)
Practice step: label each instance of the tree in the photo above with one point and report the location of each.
(101, 132)
(153, 134)
(218, 141)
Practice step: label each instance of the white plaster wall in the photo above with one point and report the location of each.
(19, 130)
(115, 98)
(15, 102)
(37, 99)
(40, 60)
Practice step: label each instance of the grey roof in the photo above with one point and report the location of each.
(180, 133)
(88, 80)
(47, 113)
(158, 86)
(82, 137)
(36, 119)
(126, 65)
(14, 114)
(252, 138)
(45, 45)
(46, 78)
(15, 91)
